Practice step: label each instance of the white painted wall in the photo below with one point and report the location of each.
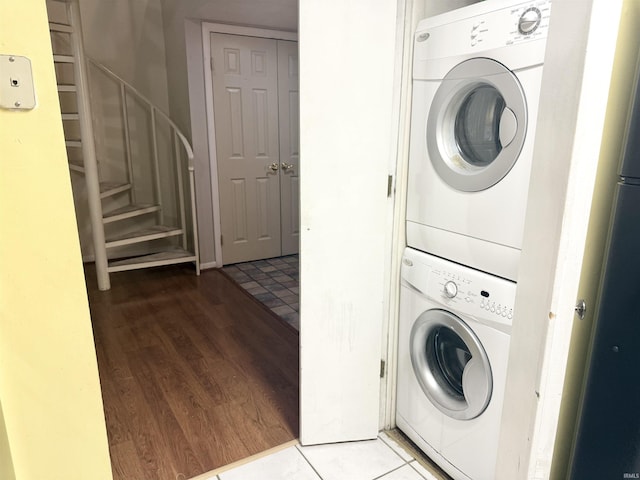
(183, 37)
(578, 64)
(347, 62)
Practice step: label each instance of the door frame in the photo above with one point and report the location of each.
(207, 29)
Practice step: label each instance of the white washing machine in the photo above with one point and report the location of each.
(455, 325)
(476, 84)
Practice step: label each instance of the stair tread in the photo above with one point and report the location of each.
(63, 58)
(111, 188)
(129, 208)
(156, 231)
(67, 87)
(70, 116)
(109, 185)
(76, 165)
(129, 211)
(176, 255)
(60, 27)
(73, 143)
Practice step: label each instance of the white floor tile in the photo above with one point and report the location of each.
(352, 460)
(287, 464)
(404, 473)
(395, 446)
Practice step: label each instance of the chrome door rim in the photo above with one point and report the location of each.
(477, 375)
(440, 137)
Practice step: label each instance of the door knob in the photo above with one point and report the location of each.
(287, 166)
(274, 167)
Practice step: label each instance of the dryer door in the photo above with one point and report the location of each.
(476, 125)
(450, 364)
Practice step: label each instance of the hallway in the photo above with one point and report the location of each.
(274, 282)
(194, 373)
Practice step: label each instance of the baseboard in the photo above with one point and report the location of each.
(208, 265)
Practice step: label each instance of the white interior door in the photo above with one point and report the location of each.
(245, 105)
(347, 78)
(289, 105)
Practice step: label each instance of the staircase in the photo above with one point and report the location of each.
(140, 204)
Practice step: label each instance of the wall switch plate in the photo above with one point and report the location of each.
(16, 83)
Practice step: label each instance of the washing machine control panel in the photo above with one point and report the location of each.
(471, 292)
(450, 289)
(463, 290)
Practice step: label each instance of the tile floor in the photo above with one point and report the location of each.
(380, 459)
(274, 282)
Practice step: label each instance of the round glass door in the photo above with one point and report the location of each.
(450, 364)
(476, 125)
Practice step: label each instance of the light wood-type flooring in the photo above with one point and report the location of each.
(195, 374)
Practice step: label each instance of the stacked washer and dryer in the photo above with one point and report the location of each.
(476, 83)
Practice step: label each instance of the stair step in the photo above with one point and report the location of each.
(63, 59)
(60, 27)
(73, 143)
(107, 189)
(70, 116)
(67, 88)
(143, 235)
(129, 211)
(170, 257)
(76, 166)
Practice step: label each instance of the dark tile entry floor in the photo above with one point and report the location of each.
(275, 282)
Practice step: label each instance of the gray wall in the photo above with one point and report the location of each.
(275, 14)
(127, 36)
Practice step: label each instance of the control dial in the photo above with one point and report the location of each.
(529, 20)
(450, 289)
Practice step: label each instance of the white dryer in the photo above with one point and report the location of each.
(476, 85)
(454, 335)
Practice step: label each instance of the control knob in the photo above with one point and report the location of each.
(450, 289)
(529, 20)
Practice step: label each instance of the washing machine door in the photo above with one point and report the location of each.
(476, 125)
(450, 364)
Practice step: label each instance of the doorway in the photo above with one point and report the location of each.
(193, 376)
(254, 91)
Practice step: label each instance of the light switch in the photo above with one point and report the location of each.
(16, 83)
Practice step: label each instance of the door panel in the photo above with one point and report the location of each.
(245, 104)
(288, 95)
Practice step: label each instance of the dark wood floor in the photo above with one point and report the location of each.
(194, 373)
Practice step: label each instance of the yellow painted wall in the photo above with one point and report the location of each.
(49, 389)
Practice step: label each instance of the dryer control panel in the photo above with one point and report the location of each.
(462, 289)
(521, 23)
(483, 27)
